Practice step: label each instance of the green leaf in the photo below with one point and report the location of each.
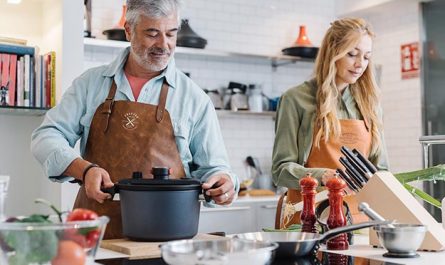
(428, 174)
(423, 195)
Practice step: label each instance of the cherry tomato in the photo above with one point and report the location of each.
(69, 253)
(81, 214)
(84, 237)
(92, 238)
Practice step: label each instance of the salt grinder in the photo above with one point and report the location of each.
(308, 185)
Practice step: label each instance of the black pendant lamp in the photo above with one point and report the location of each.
(188, 38)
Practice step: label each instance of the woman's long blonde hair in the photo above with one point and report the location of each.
(341, 38)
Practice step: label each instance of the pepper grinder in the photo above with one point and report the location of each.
(336, 216)
(308, 185)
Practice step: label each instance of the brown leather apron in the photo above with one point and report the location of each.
(125, 137)
(354, 134)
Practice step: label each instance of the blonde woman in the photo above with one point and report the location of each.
(340, 106)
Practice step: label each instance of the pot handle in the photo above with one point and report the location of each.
(113, 190)
(340, 230)
(207, 198)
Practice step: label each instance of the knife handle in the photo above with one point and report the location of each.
(365, 161)
(356, 175)
(356, 162)
(348, 180)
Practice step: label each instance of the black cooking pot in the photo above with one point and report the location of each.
(115, 34)
(301, 51)
(158, 209)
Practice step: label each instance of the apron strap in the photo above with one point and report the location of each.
(162, 100)
(108, 104)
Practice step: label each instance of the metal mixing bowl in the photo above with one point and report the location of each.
(401, 239)
(218, 252)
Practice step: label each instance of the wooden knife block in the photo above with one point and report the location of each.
(388, 197)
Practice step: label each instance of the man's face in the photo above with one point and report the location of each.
(153, 41)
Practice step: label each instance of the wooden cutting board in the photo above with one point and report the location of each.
(146, 250)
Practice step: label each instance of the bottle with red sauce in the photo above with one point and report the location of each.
(308, 186)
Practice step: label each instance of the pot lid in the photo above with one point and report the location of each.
(159, 184)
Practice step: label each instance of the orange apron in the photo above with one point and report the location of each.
(125, 137)
(354, 134)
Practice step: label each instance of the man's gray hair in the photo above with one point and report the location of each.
(151, 9)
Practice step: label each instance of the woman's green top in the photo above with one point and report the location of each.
(294, 128)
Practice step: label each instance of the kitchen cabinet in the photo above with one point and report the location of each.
(246, 214)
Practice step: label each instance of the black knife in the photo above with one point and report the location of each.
(353, 173)
(365, 161)
(357, 163)
(351, 176)
(348, 180)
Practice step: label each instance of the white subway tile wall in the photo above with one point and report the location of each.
(397, 23)
(265, 27)
(259, 27)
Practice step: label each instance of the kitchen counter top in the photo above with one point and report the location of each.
(248, 198)
(361, 248)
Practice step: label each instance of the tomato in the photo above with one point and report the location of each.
(81, 214)
(84, 237)
(69, 253)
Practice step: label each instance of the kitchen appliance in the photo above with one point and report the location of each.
(222, 251)
(299, 244)
(401, 240)
(215, 97)
(255, 99)
(235, 97)
(158, 209)
(188, 38)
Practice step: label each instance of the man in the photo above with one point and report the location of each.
(135, 113)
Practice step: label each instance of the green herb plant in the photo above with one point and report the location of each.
(32, 246)
(428, 174)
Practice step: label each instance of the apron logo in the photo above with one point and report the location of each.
(130, 121)
(348, 138)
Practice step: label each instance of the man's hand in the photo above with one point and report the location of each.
(223, 192)
(96, 178)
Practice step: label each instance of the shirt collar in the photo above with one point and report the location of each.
(117, 66)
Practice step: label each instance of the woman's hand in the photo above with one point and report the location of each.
(330, 173)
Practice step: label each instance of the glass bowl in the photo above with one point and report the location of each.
(70, 243)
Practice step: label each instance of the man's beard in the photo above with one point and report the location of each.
(143, 58)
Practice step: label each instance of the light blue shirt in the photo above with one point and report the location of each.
(195, 124)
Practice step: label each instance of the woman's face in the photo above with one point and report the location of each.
(354, 63)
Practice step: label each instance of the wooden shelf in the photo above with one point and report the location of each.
(13, 110)
(275, 60)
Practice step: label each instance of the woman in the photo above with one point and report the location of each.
(340, 106)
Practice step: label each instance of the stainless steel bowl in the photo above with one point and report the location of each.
(218, 252)
(401, 239)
